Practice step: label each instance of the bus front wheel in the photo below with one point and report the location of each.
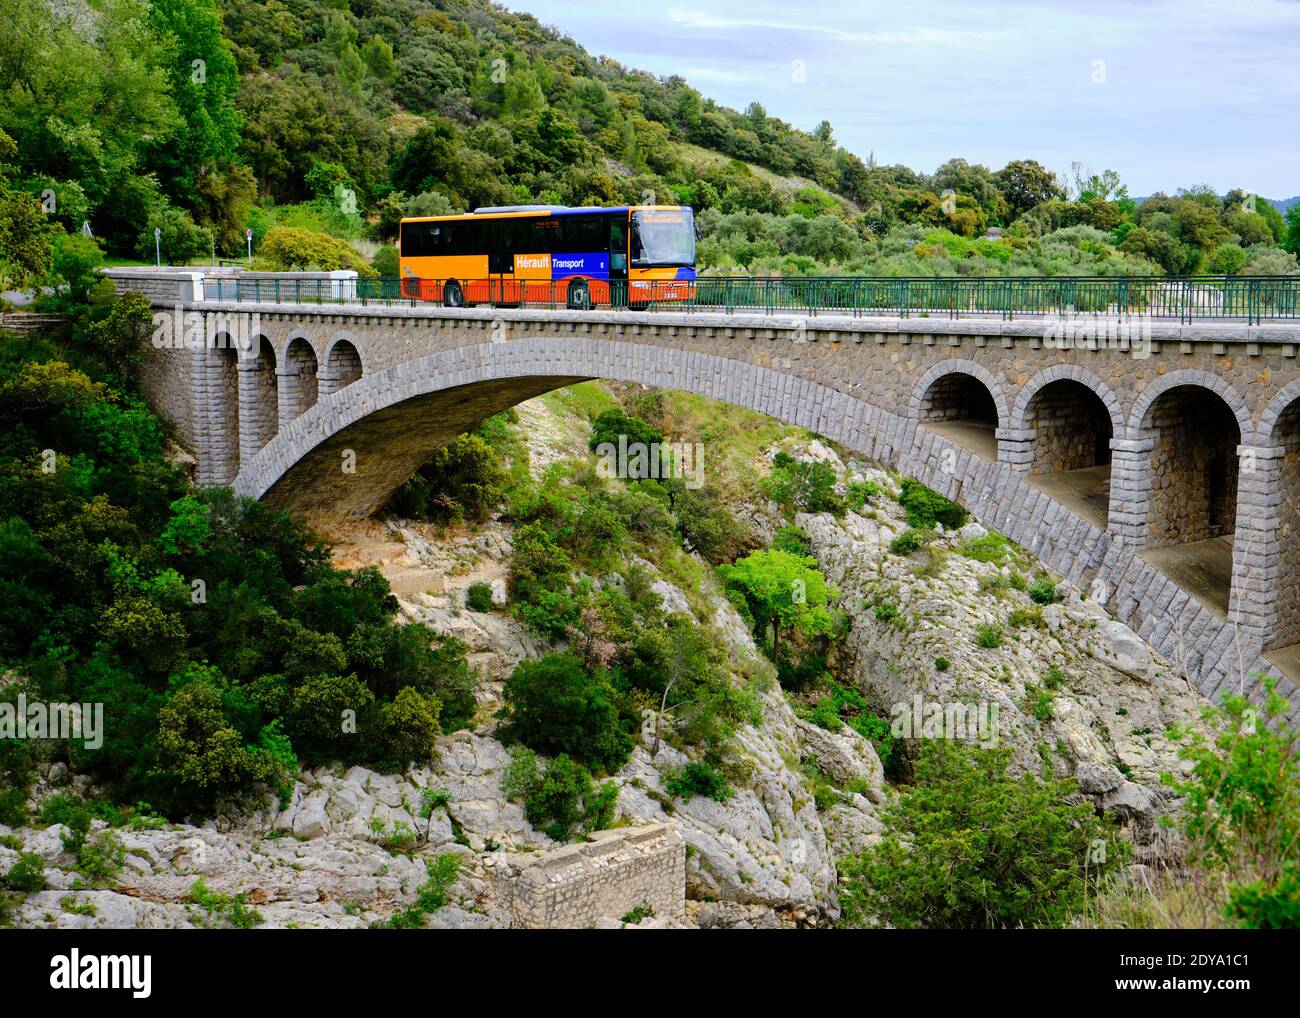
(452, 296)
(579, 296)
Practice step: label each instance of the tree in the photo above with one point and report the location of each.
(77, 261)
(555, 706)
(1025, 183)
(203, 79)
(1159, 247)
(782, 591)
(25, 232)
(463, 481)
(378, 57)
(1227, 259)
(182, 241)
(286, 249)
(1292, 241)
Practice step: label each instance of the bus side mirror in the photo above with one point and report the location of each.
(698, 232)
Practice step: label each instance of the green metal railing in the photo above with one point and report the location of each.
(1252, 299)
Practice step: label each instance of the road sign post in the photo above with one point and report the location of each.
(157, 246)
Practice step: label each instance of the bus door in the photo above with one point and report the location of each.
(501, 264)
(618, 263)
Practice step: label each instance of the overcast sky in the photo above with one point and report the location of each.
(1169, 93)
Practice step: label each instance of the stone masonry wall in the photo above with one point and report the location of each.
(1194, 469)
(1287, 583)
(609, 876)
(1072, 428)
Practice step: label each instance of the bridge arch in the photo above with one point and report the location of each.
(299, 388)
(346, 455)
(1066, 417)
(922, 398)
(1138, 416)
(342, 364)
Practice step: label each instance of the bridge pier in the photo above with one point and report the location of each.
(1016, 448)
(1257, 551)
(1130, 488)
(258, 401)
(216, 413)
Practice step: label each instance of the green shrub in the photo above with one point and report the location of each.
(942, 664)
(992, 547)
(222, 909)
(463, 482)
(1267, 904)
(696, 778)
(561, 798)
(1043, 591)
(861, 492)
(910, 540)
(1242, 805)
(642, 911)
(612, 425)
(968, 847)
(1038, 702)
(846, 706)
(886, 611)
(287, 249)
(1021, 618)
(989, 635)
(1055, 677)
(925, 507)
(807, 487)
(478, 597)
(555, 706)
(432, 895)
(27, 874)
(792, 539)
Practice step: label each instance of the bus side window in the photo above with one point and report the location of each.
(618, 247)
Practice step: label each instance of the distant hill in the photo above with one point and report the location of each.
(1281, 204)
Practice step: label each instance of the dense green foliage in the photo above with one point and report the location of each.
(969, 846)
(799, 486)
(560, 798)
(463, 482)
(223, 645)
(782, 593)
(556, 706)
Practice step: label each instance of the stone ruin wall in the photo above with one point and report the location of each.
(605, 878)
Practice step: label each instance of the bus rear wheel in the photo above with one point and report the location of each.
(579, 296)
(452, 295)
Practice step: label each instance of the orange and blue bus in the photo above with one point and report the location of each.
(575, 257)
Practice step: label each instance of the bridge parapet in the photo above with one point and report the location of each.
(170, 287)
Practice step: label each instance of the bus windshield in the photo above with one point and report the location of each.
(664, 237)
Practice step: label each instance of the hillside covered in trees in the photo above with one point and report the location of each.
(327, 120)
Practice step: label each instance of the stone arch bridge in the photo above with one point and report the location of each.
(1160, 470)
